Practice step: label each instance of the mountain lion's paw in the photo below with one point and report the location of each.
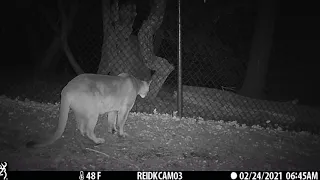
(100, 141)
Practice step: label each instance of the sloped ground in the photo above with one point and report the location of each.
(156, 142)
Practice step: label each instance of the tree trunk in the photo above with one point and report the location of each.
(66, 26)
(53, 53)
(120, 49)
(123, 52)
(36, 51)
(60, 40)
(160, 65)
(254, 82)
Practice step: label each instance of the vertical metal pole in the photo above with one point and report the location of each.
(179, 95)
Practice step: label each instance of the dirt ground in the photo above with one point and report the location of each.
(156, 142)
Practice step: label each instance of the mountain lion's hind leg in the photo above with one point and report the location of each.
(112, 121)
(92, 121)
(82, 123)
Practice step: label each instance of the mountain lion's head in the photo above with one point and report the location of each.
(144, 89)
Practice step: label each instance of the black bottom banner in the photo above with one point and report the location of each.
(162, 175)
(104, 175)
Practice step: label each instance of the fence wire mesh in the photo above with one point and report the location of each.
(210, 73)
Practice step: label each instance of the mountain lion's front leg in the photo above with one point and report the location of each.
(122, 118)
(112, 121)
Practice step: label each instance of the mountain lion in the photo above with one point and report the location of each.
(90, 95)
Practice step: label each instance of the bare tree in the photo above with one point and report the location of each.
(124, 52)
(160, 65)
(120, 49)
(62, 30)
(260, 50)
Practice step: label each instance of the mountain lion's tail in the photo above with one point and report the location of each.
(64, 110)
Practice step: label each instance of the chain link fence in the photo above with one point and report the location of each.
(210, 73)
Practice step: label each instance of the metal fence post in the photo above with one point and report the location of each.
(179, 101)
